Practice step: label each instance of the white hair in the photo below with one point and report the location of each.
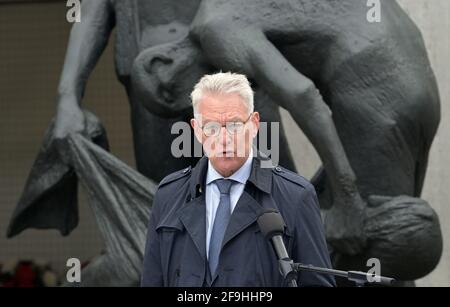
(223, 83)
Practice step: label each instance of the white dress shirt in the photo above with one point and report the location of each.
(212, 193)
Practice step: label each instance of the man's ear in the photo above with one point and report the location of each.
(197, 130)
(255, 121)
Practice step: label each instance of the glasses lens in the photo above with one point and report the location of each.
(234, 127)
(211, 129)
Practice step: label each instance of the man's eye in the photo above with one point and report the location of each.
(234, 126)
(211, 129)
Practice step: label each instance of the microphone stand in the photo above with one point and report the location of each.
(289, 270)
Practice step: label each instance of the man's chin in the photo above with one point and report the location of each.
(226, 161)
(230, 155)
(226, 166)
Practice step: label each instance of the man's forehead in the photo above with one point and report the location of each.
(221, 102)
(217, 116)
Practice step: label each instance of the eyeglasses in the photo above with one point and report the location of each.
(213, 128)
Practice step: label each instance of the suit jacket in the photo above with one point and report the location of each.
(175, 252)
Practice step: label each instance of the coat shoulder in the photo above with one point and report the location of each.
(285, 174)
(175, 176)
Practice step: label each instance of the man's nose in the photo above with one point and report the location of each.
(225, 137)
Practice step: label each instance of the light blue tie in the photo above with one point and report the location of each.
(221, 220)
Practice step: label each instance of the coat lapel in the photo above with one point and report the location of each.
(247, 209)
(245, 213)
(193, 213)
(193, 217)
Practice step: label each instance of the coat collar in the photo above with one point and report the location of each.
(260, 177)
(241, 175)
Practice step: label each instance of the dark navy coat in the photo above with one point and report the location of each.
(175, 252)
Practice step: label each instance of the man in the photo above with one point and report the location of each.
(203, 229)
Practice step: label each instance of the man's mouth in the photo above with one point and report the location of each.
(227, 154)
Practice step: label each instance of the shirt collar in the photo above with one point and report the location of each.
(260, 177)
(241, 175)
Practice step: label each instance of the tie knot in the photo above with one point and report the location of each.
(224, 185)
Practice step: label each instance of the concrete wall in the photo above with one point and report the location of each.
(33, 40)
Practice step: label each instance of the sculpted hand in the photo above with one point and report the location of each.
(344, 223)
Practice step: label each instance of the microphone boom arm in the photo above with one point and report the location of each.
(360, 278)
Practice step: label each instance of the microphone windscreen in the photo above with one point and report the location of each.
(271, 223)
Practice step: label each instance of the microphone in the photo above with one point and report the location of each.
(272, 226)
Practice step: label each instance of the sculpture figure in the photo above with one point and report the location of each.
(363, 93)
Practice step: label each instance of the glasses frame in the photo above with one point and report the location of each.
(226, 127)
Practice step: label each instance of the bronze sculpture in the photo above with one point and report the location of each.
(363, 93)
